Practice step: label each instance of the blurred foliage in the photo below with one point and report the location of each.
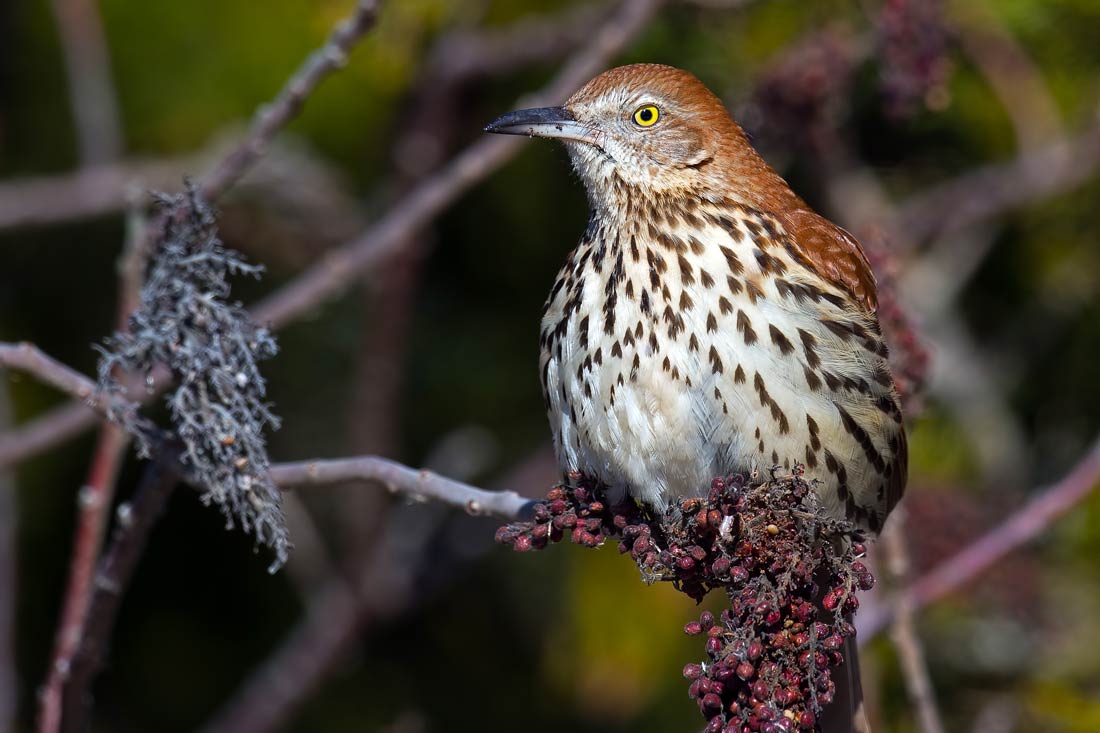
(569, 639)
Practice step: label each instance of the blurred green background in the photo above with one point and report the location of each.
(433, 361)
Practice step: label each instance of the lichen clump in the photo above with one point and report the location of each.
(218, 408)
(789, 574)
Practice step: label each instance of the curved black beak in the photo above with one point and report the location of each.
(554, 122)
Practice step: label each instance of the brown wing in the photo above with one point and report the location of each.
(834, 254)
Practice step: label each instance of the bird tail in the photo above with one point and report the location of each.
(846, 713)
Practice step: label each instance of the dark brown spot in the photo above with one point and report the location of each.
(715, 361)
(745, 327)
(780, 340)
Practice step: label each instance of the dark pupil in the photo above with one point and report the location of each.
(645, 115)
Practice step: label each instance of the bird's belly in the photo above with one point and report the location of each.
(664, 434)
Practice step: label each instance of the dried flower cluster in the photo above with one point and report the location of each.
(790, 576)
(913, 44)
(218, 409)
(799, 100)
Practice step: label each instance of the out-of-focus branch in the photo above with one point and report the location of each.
(88, 68)
(93, 508)
(342, 611)
(88, 192)
(135, 522)
(1012, 74)
(990, 190)
(274, 116)
(1022, 526)
(30, 359)
(463, 55)
(94, 499)
(336, 618)
(9, 677)
(337, 269)
(904, 633)
(397, 478)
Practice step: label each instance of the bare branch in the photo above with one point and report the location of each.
(93, 508)
(339, 268)
(1012, 75)
(9, 676)
(337, 618)
(30, 359)
(135, 522)
(272, 117)
(88, 68)
(397, 478)
(463, 55)
(93, 500)
(1022, 526)
(904, 633)
(84, 193)
(989, 191)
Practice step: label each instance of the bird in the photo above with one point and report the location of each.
(709, 322)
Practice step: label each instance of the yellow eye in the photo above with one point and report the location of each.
(646, 116)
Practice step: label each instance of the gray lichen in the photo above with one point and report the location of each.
(218, 408)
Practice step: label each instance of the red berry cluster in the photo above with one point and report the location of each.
(790, 576)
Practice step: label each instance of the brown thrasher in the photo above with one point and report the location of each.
(709, 323)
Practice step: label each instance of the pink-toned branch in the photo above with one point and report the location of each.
(29, 358)
(1021, 527)
(94, 500)
(903, 630)
(9, 675)
(113, 573)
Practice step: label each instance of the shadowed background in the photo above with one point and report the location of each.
(866, 107)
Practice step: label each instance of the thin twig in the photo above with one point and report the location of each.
(274, 116)
(135, 522)
(1012, 75)
(1021, 527)
(336, 619)
(397, 478)
(93, 508)
(340, 267)
(9, 676)
(904, 633)
(88, 69)
(991, 190)
(968, 199)
(30, 359)
(94, 499)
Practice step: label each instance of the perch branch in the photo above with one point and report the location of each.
(1022, 526)
(399, 479)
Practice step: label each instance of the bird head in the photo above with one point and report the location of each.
(649, 128)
